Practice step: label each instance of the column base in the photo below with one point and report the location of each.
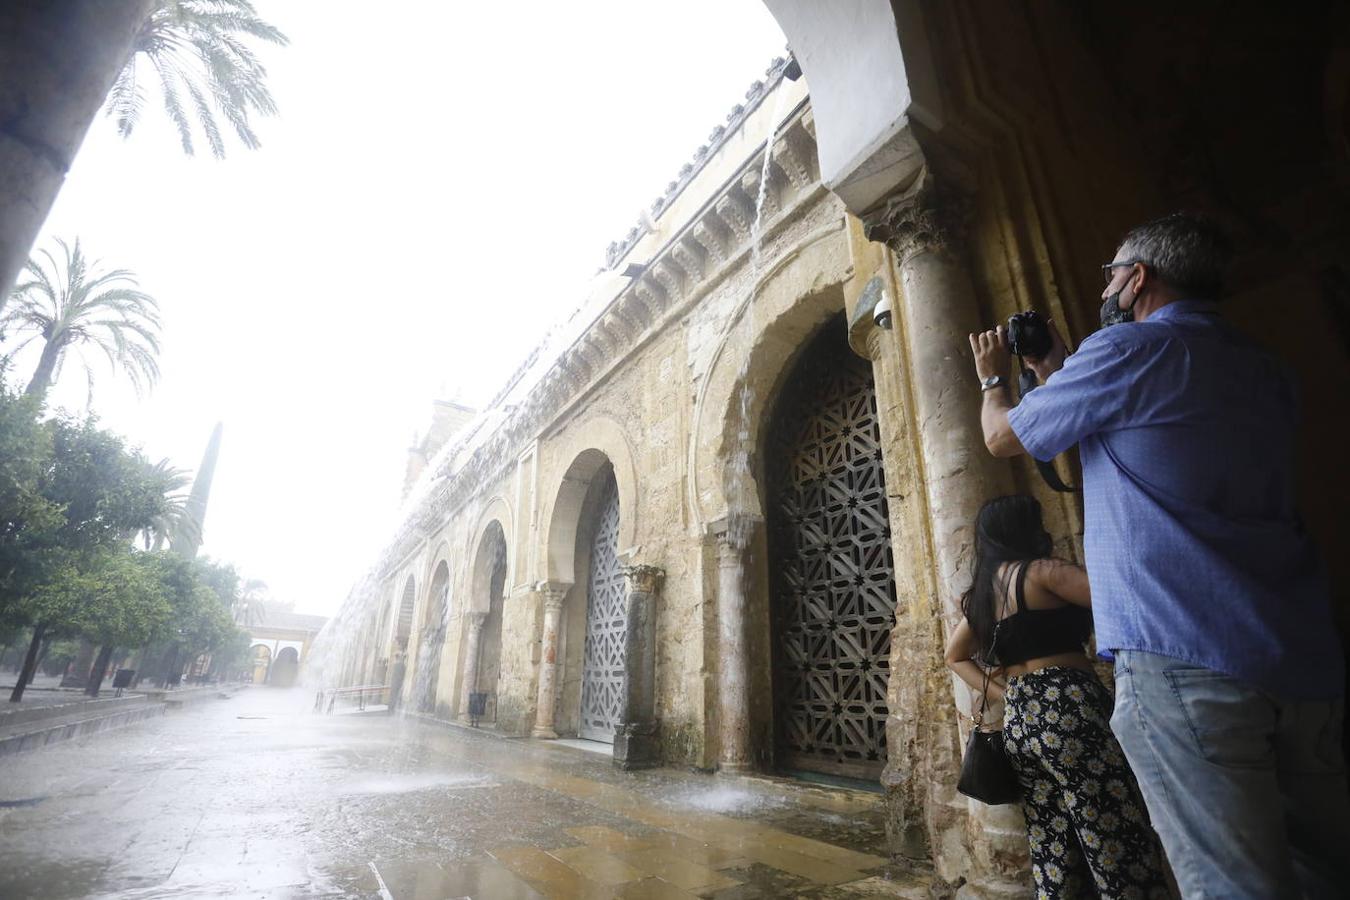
(636, 746)
(543, 734)
(735, 768)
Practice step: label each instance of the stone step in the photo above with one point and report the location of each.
(22, 736)
(17, 714)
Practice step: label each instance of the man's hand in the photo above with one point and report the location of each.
(992, 356)
(1053, 361)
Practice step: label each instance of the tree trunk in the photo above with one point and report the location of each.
(78, 676)
(58, 58)
(100, 670)
(46, 368)
(170, 662)
(29, 663)
(42, 655)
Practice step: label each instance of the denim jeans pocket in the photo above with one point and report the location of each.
(1231, 723)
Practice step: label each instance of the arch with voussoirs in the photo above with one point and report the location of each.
(591, 530)
(286, 668)
(481, 669)
(431, 644)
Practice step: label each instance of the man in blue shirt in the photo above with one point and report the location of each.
(1205, 587)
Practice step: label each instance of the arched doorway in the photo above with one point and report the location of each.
(490, 576)
(602, 674)
(433, 639)
(262, 662)
(832, 576)
(286, 668)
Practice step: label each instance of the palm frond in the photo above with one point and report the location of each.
(168, 77)
(199, 49)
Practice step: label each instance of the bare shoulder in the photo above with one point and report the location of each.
(1061, 579)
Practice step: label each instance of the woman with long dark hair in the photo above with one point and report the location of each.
(1027, 621)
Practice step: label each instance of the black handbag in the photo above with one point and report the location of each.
(987, 774)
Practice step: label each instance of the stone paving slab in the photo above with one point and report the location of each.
(259, 797)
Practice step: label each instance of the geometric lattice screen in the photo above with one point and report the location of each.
(832, 573)
(602, 679)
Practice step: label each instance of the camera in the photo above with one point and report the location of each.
(882, 313)
(1029, 335)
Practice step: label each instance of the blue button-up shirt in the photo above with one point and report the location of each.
(1194, 548)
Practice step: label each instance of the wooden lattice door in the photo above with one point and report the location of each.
(602, 680)
(832, 572)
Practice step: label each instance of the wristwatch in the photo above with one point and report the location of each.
(992, 382)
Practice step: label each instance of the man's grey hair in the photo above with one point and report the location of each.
(1187, 251)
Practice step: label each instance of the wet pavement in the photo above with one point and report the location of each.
(257, 797)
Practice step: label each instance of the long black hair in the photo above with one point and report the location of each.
(1007, 529)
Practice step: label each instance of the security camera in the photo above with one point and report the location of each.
(881, 313)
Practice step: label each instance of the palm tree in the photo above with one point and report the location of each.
(74, 305)
(199, 51)
(175, 524)
(250, 607)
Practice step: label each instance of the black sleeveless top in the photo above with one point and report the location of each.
(1032, 633)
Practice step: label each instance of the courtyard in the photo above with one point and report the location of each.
(257, 796)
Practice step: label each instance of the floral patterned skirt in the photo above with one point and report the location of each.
(1086, 821)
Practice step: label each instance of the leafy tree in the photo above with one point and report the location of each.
(199, 51)
(201, 593)
(114, 596)
(26, 514)
(102, 493)
(73, 306)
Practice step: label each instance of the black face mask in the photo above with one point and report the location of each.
(1112, 314)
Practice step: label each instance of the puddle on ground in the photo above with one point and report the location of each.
(727, 799)
(405, 784)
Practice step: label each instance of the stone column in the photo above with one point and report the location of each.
(926, 231)
(938, 309)
(732, 535)
(475, 622)
(553, 594)
(635, 742)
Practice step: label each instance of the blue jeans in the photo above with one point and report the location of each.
(1246, 790)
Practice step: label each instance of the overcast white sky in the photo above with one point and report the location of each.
(440, 184)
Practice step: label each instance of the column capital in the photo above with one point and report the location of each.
(553, 592)
(921, 217)
(644, 579)
(733, 531)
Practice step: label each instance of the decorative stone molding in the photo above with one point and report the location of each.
(644, 579)
(750, 183)
(920, 218)
(652, 295)
(670, 276)
(691, 258)
(713, 235)
(738, 213)
(794, 153)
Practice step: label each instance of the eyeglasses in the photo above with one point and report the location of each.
(1107, 267)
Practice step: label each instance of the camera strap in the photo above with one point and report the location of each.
(1026, 383)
